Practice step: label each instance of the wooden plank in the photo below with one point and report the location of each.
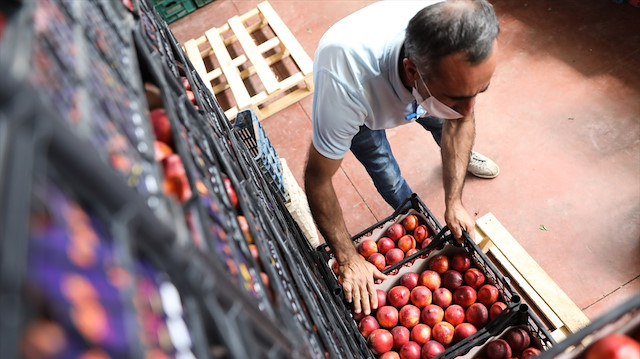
(263, 70)
(572, 317)
(290, 42)
(230, 71)
(193, 52)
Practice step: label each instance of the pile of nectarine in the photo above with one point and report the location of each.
(427, 312)
(514, 343)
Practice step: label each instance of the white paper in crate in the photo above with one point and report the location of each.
(298, 206)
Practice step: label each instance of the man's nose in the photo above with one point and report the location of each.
(465, 107)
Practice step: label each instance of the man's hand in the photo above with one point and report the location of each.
(358, 283)
(458, 220)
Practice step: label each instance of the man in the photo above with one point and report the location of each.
(374, 70)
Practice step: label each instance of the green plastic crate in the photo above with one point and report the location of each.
(172, 10)
(201, 3)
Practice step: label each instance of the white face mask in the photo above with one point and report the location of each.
(432, 105)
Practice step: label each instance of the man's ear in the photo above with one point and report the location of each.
(410, 71)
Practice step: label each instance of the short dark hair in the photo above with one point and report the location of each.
(467, 26)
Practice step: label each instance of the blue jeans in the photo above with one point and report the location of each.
(372, 149)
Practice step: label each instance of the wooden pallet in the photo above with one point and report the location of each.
(540, 291)
(262, 42)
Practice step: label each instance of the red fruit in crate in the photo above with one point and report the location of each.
(176, 181)
(464, 296)
(443, 333)
(431, 315)
(488, 294)
(335, 267)
(463, 331)
(439, 263)
(400, 336)
(382, 298)
(410, 350)
(367, 325)
(395, 231)
(410, 222)
(442, 297)
(398, 296)
(518, 339)
(384, 244)
(406, 243)
(387, 316)
(409, 280)
(426, 242)
(451, 279)
(474, 278)
(454, 314)
(388, 355)
(191, 96)
(161, 150)
(421, 296)
(420, 233)
(461, 261)
(409, 316)
(411, 252)
(394, 256)
(358, 316)
(478, 315)
(614, 346)
(430, 279)
(367, 248)
(495, 309)
(254, 252)
(185, 83)
(377, 259)
(161, 125)
(231, 192)
(531, 352)
(432, 349)
(244, 226)
(380, 341)
(498, 349)
(421, 333)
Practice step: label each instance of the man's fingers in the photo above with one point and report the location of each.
(348, 293)
(357, 308)
(373, 295)
(366, 305)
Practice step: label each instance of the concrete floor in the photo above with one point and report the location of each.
(562, 119)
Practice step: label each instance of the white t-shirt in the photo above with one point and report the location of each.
(356, 77)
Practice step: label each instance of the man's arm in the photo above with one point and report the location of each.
(457, 140)
(357, 274)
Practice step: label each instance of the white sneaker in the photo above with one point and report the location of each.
(482, 166)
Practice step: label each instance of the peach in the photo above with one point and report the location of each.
(367, 325)
(431, 315)
(461, 261)
(411, 252)
(384, 244)
(387, 316)
(451, 279)
(400, 336)
(367, 248)
(395, 231)
(454, 314)
(518, 339)
(463, 331)
(409, 280)
(530, 353)
(421, 333)
(421, 296)
(406, 243)
(426, 242)
(443, 333)
(382, 297)
(398, 296)
(377, 259)
(421, 233)
(358, 316)
(430, 279)
(432, 349)
(394, 255)
(478, 315)
(495, 309)
(442, 297)
(410, 350)
(409, 316)
(498, 349)
(380, 341)
(439, 263)
(488, 294)
(474, 278)
(410, 222)
(390, 355)
(464, 296)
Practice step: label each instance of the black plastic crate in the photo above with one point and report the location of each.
(624, 319)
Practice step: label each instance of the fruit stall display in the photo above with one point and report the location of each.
(443, 299)
(135, 221)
